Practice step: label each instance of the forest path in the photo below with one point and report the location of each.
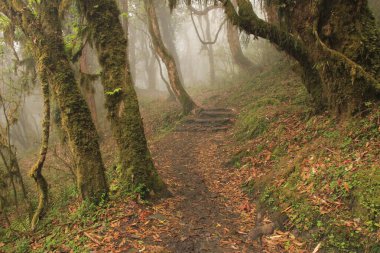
(208, 212)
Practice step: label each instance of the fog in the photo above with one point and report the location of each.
(200, 65)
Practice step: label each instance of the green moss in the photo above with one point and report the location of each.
(329, 182)
(137, 168)
(253, 121)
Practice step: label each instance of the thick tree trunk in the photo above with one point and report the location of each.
(344, 47)
(49, 52)
(180, 93)
(334, 80)
(137, 168)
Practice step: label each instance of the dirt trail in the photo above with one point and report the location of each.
(208, 212)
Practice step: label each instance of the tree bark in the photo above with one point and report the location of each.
(36, 171)
(334, 80)
(137, 168)
(87, 84)
(236, 51)
(152, 72)
(45, 35)
(180, 93)
(210, 49)
(167, 31)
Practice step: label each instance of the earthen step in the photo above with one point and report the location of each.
(202, 129)
(216, 114)
(219, 110)
(209, 121)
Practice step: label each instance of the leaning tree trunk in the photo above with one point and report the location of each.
(137, 168)
(45, 36)
(167, 31)
(335, 80)
(180, 93)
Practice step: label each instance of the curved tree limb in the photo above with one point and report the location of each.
(351, 66)
(199, 36)
(36, 171)
(204, 11)
(171, 94)
(188, 105)
(248, 21)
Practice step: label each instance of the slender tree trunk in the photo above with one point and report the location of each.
(182, 96)
(48, 46)
(210, 49)
(235, 47)
(152, 72)
(167, 84)
(137, 168)
(168, 33)
(189, 59)
(132, 51)
(36, 171)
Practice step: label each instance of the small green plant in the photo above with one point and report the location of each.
(22, 245)
(114, 92)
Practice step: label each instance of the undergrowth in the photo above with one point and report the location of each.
(323, 173)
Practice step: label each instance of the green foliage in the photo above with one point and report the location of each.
(4, 22)
(114, 92)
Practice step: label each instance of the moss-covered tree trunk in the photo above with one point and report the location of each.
(337, 80)
(344, 44)
(45, 35)
(180, 93)
(36, 170)
(137, 168)
(76, 116)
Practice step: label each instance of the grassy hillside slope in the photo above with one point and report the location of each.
(322, 173)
